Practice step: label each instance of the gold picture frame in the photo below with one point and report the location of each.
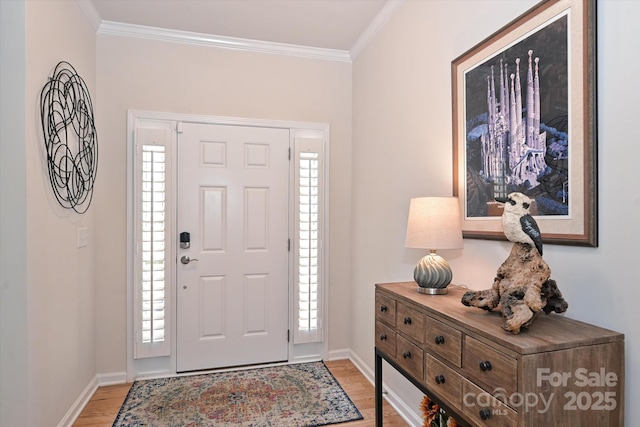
(524, 119)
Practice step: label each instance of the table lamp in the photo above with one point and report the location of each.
(434, 223)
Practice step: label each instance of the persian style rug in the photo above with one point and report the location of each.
(299, 395)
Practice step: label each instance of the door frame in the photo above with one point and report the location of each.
(165, 366)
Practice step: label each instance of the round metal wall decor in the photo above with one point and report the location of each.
(70, 137)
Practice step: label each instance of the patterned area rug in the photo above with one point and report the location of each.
(298, 395)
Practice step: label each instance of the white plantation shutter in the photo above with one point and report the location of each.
(152, 227)
(308, 240)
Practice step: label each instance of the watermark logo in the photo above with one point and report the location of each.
(581, 378)
(598, 397)
(594, 400)
(529, 401)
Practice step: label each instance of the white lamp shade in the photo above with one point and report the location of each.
(434, 223)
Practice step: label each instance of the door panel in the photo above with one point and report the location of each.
(232, 297)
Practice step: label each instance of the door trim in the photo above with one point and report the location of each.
(162, 366)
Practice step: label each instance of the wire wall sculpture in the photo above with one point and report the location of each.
(70, 137)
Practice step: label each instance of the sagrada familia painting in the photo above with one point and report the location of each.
(516, 125)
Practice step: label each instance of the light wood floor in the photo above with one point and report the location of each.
(102, 409)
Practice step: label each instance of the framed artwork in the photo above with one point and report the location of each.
(524, 119)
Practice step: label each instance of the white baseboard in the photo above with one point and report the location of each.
(99, 380)
(389, 395)
(112, 378)
(362, 367)
(77, 407)
(339, 354)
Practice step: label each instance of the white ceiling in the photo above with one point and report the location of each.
(327, 24)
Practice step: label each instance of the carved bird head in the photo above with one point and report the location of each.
(515, 204)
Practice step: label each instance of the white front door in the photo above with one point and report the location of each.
(232, 296)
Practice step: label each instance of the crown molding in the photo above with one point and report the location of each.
(200, 39)
(380, 20)
(91, 13)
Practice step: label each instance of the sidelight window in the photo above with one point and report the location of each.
(152, 244)
(308, 241)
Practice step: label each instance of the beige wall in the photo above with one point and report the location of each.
(54, 354)
(170, 77)
(402, 126)
(62, 343)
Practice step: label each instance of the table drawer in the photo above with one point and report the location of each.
(386, 309)
(495, 371)
(443, 381)
(410, 322)
(385, 339)
(484, 409)
(410, 357)
(444, 341)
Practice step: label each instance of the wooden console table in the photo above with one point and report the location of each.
(559, 372)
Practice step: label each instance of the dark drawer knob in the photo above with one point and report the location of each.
(440, 379)
(407, 320)
(383, 337)
(383, 308)
(406, 355)
(485, 414)
(485, 366)
(439, 339)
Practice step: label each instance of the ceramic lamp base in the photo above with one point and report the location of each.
(432, 274)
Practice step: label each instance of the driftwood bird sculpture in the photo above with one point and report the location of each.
(522, 287)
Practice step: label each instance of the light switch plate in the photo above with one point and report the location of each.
(83, 237)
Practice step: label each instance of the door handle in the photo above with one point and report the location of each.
(186, 260)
